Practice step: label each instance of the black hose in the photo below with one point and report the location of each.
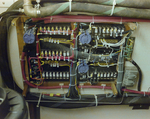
(9, 12)
(140, 74)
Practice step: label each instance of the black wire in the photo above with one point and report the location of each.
(140, 74)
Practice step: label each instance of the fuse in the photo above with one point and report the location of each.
(45, 53)
(56, 53)
(53, 53)
(40, 28)
(96, 31)
(60, 29)
(102, 75)
(56, 28)
(60, 54)
(48, 28)
(111, 31)
(43, 75)
(53, 75)
(51, 40)
(57, 41)
(112, 74)
(67, 75)
(107, 31)
(57, 65)
(52, 29)
(98, 75)
(60, 75)
(68, 53)
(47, 75)
(42, 53)
(108, 75)
(44, 28)
(50, 75)
(115, 30)
(64, 75)
(105, 75)
(49, 53)
(54, 41)
(100, 30)
(64, 30)
(103, 31)
(57, 75)
(64, 54)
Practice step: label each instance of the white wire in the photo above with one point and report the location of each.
(121, 42)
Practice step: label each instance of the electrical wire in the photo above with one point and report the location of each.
(140, 74)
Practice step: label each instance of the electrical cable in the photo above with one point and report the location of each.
(140, 74)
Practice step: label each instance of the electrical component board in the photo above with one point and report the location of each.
(77, 54)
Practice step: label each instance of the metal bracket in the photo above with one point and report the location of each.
(137, 107)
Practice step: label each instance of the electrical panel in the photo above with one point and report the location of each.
(93, 47)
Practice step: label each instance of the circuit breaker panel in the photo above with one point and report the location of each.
(93, 48)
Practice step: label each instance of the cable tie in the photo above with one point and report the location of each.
(64, 96)
(79, 97)
(51, 19)
(119, 82)
(113, 7)
(70, 2)
(103, 87)
(37, 41)
(22, 59)
(121, 21)
(120, 71)
(96, 100)
(144, 94)
(93, 19)
(74, 61)
(39, 100)
(126, 94)
(73, 75)
(74, 48)
(120, 62)
(72, 85)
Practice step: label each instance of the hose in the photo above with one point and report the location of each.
(143, 4)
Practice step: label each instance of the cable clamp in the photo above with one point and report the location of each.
(70, 2)
(73, 75)
(96, 103)
(39, 100)
(113, 7)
